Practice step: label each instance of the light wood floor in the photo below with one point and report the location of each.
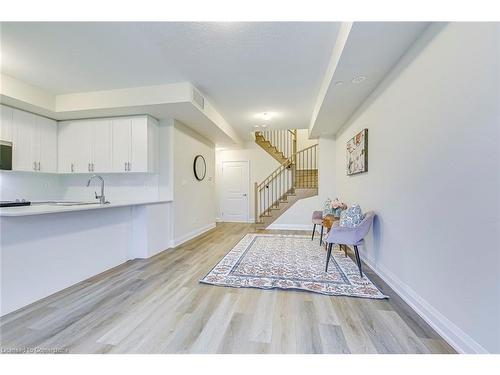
(158, 306)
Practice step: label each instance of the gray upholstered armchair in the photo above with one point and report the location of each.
(349, 236)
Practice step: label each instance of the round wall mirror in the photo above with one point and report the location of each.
(199, 167)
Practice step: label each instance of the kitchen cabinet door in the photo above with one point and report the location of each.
(82, 145)
(6, 123)
(102, 146)
(24, 136)
(64, 152)
(121, 136)
(46, 145)
(75, 146)
(139, 145)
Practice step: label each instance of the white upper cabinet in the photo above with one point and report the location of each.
(47, 149)
(101, 146)
(6, 123)
(135, 144)
(23, 139)
(34, 143)
(120, 145)
(122, 140)
(85, 146)
(74, 143)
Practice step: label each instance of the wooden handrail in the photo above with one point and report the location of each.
(302, 165)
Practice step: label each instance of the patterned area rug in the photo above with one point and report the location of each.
(268, 261)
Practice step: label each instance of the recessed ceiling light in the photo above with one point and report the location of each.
(266, 116)
(358, 79)
(339, 83)
(263, 126)
(256, 126)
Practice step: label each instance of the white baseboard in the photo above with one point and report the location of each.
(192, 234)
(307, 227)
(448, 330)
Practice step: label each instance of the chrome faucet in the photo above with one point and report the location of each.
(102, 198)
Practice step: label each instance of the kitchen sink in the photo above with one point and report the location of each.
(63, 203)
(73, 203)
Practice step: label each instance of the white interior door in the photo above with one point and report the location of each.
(235, 191)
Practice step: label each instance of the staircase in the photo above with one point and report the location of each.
(277, 143)
(296, 178)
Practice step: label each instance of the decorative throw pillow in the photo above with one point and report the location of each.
(351, 217)
(327, 207)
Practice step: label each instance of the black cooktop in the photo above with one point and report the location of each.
(15, 203)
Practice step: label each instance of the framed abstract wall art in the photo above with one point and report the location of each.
(357, 153)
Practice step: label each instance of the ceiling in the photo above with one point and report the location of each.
(244, 68)
(371, 49)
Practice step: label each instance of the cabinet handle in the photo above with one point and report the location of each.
(34, 165)
(92, 164)
(128, 166)
(39, 166)
(72, 168)
(125, 166)
(89, 168)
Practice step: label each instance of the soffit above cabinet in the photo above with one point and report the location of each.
(180, 101)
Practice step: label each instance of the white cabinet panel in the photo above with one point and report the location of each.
(46, 145)
(139, 145)
(120, 145)
(122, 134)
(74, 147)
(24, 136)
(65, 163)
(6, 123)
(82, 146)
(102, 146)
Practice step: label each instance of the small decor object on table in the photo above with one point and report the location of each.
(327, 207)
(357, 153)
(338, 207)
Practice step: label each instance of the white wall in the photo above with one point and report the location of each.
(303, 140)
(29, 186)
(433, 179)
(194, 201)
(118, 187)
(299, 215)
